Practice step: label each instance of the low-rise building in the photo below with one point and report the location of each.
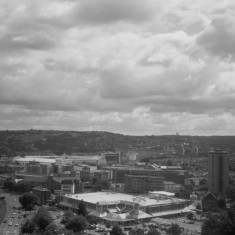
(112, 158)
(42, 193)
(67, 186)
(209, 202)
(171, 186)
(124, 208)
(102, 175)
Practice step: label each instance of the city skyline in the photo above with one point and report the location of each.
(129, 66)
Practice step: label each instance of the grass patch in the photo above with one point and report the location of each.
(3, 210)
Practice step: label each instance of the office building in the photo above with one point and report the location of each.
(143, 184)
(218, 172)
(112, 158)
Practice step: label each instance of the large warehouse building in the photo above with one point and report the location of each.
(119, 207)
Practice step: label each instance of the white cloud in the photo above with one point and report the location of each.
(135, 67)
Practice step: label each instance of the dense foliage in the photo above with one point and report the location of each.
(39, 141)
(82, 209)
(77, 223)
(116, 230)
(174, 229)
(42, 219)
(19, 187)
(28, 201)
(222, 223)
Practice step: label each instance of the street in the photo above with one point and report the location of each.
(13, 216)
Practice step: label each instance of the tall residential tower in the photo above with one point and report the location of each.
(218, 172)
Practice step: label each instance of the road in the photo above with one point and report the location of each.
(16, 219)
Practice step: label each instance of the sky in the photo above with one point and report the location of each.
(133, 67)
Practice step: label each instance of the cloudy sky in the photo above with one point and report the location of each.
(126, 66)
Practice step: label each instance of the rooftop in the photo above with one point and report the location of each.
(41, 189)
(36, 159)
(109, 197)
(162, 193)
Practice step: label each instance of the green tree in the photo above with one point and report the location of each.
(9, 184)
(169, 162)
(221, 203)
(28, 199)
(116, 230)
(153, 232)
(174, 229)
(108, 224)
(28, 227)
(97, 188)
(190, 216)
(211, 226)
(53, 229)
(198, 206)
(29, 207)
(22, 187)
(77, 223)
(231, 193)
(67, 215)
(105, 184)
(232, 206)
(92, 219)
(82, 209)
(42, 219)
(222, 223)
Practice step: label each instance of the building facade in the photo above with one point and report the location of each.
(122, 208)
(42, 193)
(112, 158)
(143, 184)
(218, 172)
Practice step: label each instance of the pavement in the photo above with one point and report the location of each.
(17, 219)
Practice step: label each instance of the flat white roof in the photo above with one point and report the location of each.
(109, 197)
(36, 159)
(162, 193)
(41, 156)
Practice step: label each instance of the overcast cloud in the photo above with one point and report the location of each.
(127, 66)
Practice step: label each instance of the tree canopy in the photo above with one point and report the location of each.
(9, 184)
(116, 230)
(28, 200)
(67, 215)
(28, 227)
(82, 209)
(221, 203)
(153, 232)
(174, 229)
(190, 216)
(42, 219)
(77, 223)
(219, 224)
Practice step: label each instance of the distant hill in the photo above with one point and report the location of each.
(24, 142)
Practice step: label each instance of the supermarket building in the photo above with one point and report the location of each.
(124, 208)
